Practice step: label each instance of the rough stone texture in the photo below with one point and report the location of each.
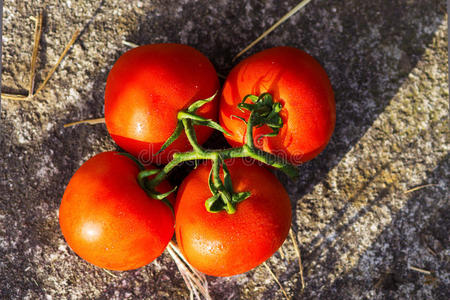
(359, 231)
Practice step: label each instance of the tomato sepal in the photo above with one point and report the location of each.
(176, 133)
(187, 119)
(199, 103)
(223, 196)
(263, 111)
(144, 184)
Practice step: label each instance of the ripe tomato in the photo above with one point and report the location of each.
(295, 79)
(146, 88)
(108, 220)
(222, 244)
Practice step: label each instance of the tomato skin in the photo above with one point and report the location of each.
(299, 82)
(108, 220)
(222, 244)
(146, 88)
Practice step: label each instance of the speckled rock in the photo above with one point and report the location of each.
(360, 228)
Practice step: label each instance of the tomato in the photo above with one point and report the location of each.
(298, 81)
(108, 220)
(222, 244)
(146, 88)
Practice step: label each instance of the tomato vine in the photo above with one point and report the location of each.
(263, 111)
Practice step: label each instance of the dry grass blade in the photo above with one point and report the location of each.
(61, 57)
(429, 249)
(423, 239)
(297, 251)
(200, 276)
(195, 281)
(184, 273)
(419, 270)
(273, 27)
(276, 280)
(193, 285)
(15, 97)
(90, 122)
(130, 44)
(110, 273)
(281, 251)
(419, 188)
(35, 282)
(37, 38)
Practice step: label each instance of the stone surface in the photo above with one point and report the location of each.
(358, 228)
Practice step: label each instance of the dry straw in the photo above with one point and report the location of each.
(32, 74)
(273, 27)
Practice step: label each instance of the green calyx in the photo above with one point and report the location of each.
(223, 197)
(263, 111)
(143, 182)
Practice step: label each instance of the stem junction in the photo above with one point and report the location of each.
(263, 111)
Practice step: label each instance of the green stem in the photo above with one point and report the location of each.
(240, 152)
(227, 198)
(190, 133)
(263, 111)
(273, 161)
(216, 173)
(249, 133)
(144, 174)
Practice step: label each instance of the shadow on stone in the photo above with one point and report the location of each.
(367, 47)
(387, 259)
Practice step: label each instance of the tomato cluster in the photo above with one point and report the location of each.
(112, 216)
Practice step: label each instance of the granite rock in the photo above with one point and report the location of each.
(359, 227)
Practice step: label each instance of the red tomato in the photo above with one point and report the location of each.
(108, 220)
(222, 244)
(295, 79)
(146, 88)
